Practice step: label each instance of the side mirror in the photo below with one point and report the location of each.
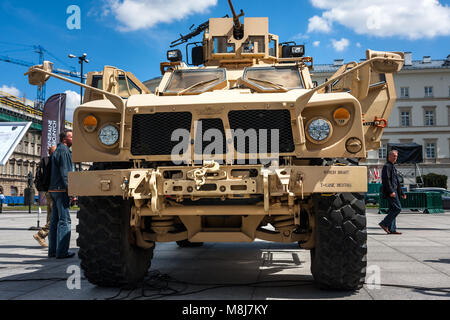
(393, 61)
(110, 79)
(197, 56)
(37, 78)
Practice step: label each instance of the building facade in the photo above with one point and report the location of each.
(421, 115)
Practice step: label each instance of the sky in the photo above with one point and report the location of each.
(135, 35)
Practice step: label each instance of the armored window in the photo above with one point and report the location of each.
(273, 48)
(195, 81)
(254, 44)
(266, 78)
(97, 82)
(221, 45)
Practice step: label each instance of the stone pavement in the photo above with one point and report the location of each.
(415, 265)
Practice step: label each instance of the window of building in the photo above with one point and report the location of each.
(12, 168)
(428, 91)
(19, 169)
(430, 150)
(405, 118)
(404, 92)
(448, 115)
(382, 152)
(27, 147)
(14, 191)
(4, 169)
(429, 116)
(32, 149)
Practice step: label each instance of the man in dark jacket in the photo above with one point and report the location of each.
(391, 191)
(60, 223)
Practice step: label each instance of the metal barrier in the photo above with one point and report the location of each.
(373, 193)
(17, 201)
(427, 202)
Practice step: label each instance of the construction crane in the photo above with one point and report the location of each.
(40, 97)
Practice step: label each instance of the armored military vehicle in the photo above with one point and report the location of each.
(236, 143)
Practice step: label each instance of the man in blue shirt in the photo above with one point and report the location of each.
(60, 223)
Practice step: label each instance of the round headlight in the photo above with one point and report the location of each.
(108, 135)
(319, 130)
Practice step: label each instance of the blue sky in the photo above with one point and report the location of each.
(135, 34)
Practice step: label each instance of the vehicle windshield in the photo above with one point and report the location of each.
(196, 81)
(269, 77)
(97, 82)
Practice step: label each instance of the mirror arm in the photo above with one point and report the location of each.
(117, 101)
(304, 99)
(359, 66)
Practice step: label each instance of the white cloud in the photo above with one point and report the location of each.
(340, 45)
(316, 43)
(300, 36)
(358, 45)
(319, 24)
(412, 19)
(142, 14)
(72, 101)
(11, 90)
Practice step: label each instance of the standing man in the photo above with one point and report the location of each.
(391, 191)
(60, 223)
(42, 183)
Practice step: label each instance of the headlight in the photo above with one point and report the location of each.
(319, 130)
(109, 135)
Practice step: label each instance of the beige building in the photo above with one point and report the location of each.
(420, 115)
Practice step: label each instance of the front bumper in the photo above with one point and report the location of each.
(156, 186)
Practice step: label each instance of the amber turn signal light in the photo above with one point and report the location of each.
(341, 116)
(90, 123)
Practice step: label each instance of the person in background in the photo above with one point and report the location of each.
(46, 166)
(391, 191)
(2, 200)
(60, 223)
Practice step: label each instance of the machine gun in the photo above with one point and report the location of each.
(196, 32)
(238, 31)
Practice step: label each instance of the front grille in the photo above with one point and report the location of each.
(215, 146)
(252, 121)
(152, 133)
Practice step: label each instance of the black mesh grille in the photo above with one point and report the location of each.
(152, 133)
(263, 119)
(206, 124)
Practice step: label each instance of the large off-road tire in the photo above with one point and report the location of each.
(108, 256)
(339, 260)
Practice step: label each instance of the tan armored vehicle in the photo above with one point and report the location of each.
(240, 145)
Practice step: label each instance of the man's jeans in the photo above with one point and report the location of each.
(60, 225)
(394, 209)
